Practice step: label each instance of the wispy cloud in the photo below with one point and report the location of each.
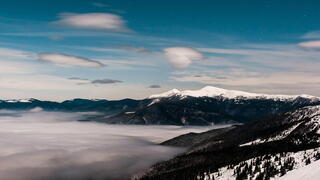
(77, 78)
(312, 35)
(315, 45)
(264, 57)
(15, 54)
(275, 83)
(55, 37)
(96, 21)
(12, 67)
(105, 81)
(135, 49)
(182, 57)
(83, 81)
(291, 78)
(99, 4)
(36, 82)
(117, 49)
(14, 61)
(258, 67)
(154, 86)
(68, 60)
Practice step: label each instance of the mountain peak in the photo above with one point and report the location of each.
(211, 91)
(170, 93)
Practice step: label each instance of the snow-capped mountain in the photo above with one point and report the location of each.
(209, 105)
(210, 91)
(267, 148)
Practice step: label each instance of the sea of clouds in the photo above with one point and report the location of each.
(37, 145)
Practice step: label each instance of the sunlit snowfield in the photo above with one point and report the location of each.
(54, 145)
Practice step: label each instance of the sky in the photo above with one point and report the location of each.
(115, 49)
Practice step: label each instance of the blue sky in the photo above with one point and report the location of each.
(60, 50)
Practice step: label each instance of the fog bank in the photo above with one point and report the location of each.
(38, 145)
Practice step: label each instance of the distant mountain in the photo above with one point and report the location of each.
(103, 106)
(191, 139)
(207, 106)
(210, 91)
(266, 143)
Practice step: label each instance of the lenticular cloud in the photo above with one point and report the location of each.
(182, 57)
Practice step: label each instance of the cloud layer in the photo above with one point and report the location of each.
(15, 54)
(182, 57)
(56, 146)
(105, 81)
(154, 86)
(135, 49)
(97, 21)
(310, 45)
(264, 68)
(68, 60)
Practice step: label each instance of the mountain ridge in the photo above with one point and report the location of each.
(207, 106)
(211, 91)
(289, 132)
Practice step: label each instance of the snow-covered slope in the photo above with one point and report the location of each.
(210, 91)
(18, 100)
(309, 172)
(296, 118)
(265, 147)
(305, 165)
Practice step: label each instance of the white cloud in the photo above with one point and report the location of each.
(68, 60)
(97, 21)
(182, 57)
(311, 35)
(14, 61)
(14, 53)
(288, 78)
(12, 67)
(36, 82)
(310, 44)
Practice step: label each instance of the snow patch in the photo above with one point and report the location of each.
(170, 93)
(283, 135)
(210, 91)
(18, 100)
(154, 102)
(309, 172)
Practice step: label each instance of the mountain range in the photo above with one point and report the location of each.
(207, 106)
(261, 149)
(268, 135)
